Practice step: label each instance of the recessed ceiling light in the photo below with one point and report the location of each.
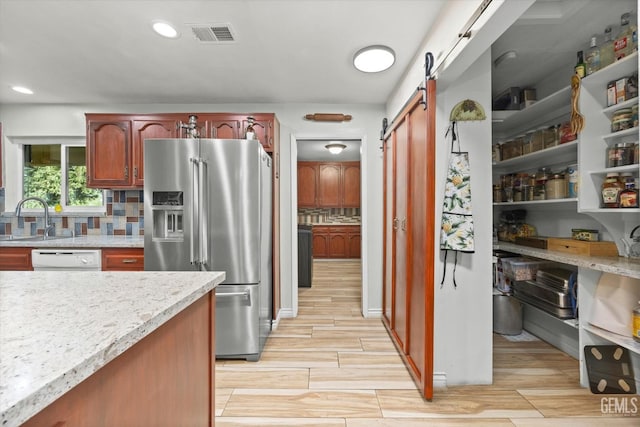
(373, 59)
(22, 89)
(165, 30)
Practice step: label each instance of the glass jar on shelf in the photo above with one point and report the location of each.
(611, 188)
(555, 187)
(541, 180)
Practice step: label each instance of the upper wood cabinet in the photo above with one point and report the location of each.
(115, 142)
(143, 129)
(109, 152)
(328, 185)
(307, 184)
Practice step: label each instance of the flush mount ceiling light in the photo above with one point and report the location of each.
(373, 59)
(22, 89)
(510, 54)
(165, 30)
(335, 148)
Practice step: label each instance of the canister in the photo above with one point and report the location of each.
(497, 193)
(622, 119)
(555, 187)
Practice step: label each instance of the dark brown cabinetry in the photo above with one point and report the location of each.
(143, 129)
(337, 241)
(15, 259)
(307, 184)
(122, 259)
(409, 233)
(109, 152)
(328, 185)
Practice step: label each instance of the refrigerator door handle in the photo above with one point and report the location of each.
(204, 214)
(233, 294)
(194, 211)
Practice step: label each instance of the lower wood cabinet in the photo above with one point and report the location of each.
(122, 259)
(338, 241)
(15, 259)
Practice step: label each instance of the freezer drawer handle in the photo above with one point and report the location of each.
(233, 294)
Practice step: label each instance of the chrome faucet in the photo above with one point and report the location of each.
(48, 227)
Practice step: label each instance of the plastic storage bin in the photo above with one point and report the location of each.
(521, 268)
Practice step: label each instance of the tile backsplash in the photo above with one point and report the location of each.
(329, 216)
(125, 217)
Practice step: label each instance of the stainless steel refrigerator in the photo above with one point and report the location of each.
(207, 206)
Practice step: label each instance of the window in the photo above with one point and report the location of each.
(57, 173)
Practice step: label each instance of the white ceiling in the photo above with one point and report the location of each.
(285, 51)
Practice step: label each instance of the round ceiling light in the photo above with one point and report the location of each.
(22, 89)
(335, 148)
(165, 30)
(373, 59)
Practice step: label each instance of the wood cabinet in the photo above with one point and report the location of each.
(122, 259)
(408, 236)
(143, 129)
(307, 184)
(328, 185)
(109, 152)
(223, 128)
(337, 241)
(166, 379)
(15, 259)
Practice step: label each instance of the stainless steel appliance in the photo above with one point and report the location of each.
(66, 259)
(207, 206)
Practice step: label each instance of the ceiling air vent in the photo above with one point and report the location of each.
(216, 33)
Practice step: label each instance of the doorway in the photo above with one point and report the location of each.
(344, 218)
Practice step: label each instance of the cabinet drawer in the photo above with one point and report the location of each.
(123, 259)
(15, 259)
(581, 247)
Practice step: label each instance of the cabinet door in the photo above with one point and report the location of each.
(143, 129)
(126, 259)
(263, 127)
(338, 245)
(320, 244)
(224, 128)
(388, 233)
(354, 242)
(329, 183)
(351, 185)
(15, 259)
(307, 184)
(109, 154)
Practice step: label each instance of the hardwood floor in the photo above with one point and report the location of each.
(330, 367)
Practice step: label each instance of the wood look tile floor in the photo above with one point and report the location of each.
(330, 367)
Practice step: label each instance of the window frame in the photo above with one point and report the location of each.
(15, 168)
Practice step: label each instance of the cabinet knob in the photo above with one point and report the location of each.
(395, 223)
(126, 171)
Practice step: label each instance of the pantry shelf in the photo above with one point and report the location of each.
(625, 104)
(538, 202)
(621, 340)
(622, 133)
(618, 169)
(562, 153)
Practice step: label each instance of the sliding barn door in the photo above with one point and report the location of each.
(409, 235)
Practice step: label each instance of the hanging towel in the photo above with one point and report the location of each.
(456, 231)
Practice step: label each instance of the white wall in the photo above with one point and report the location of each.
(463, 345)
(69, 120)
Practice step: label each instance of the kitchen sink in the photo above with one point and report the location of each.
(11, 238)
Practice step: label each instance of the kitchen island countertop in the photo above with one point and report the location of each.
(58, 328)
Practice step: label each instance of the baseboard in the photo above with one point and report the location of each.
(439, 380)
(373, 313)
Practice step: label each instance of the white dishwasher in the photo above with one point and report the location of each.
(66, 259)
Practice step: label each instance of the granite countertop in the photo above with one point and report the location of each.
(58, 328)
(99, 241)
(617, 265)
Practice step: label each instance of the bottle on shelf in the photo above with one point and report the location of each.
(628, 196)
(592, 58)
(623, 45)
(606, 49)
(580, 68)
(635, 322)
(611, 189)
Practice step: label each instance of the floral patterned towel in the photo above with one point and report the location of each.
(456, 231)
